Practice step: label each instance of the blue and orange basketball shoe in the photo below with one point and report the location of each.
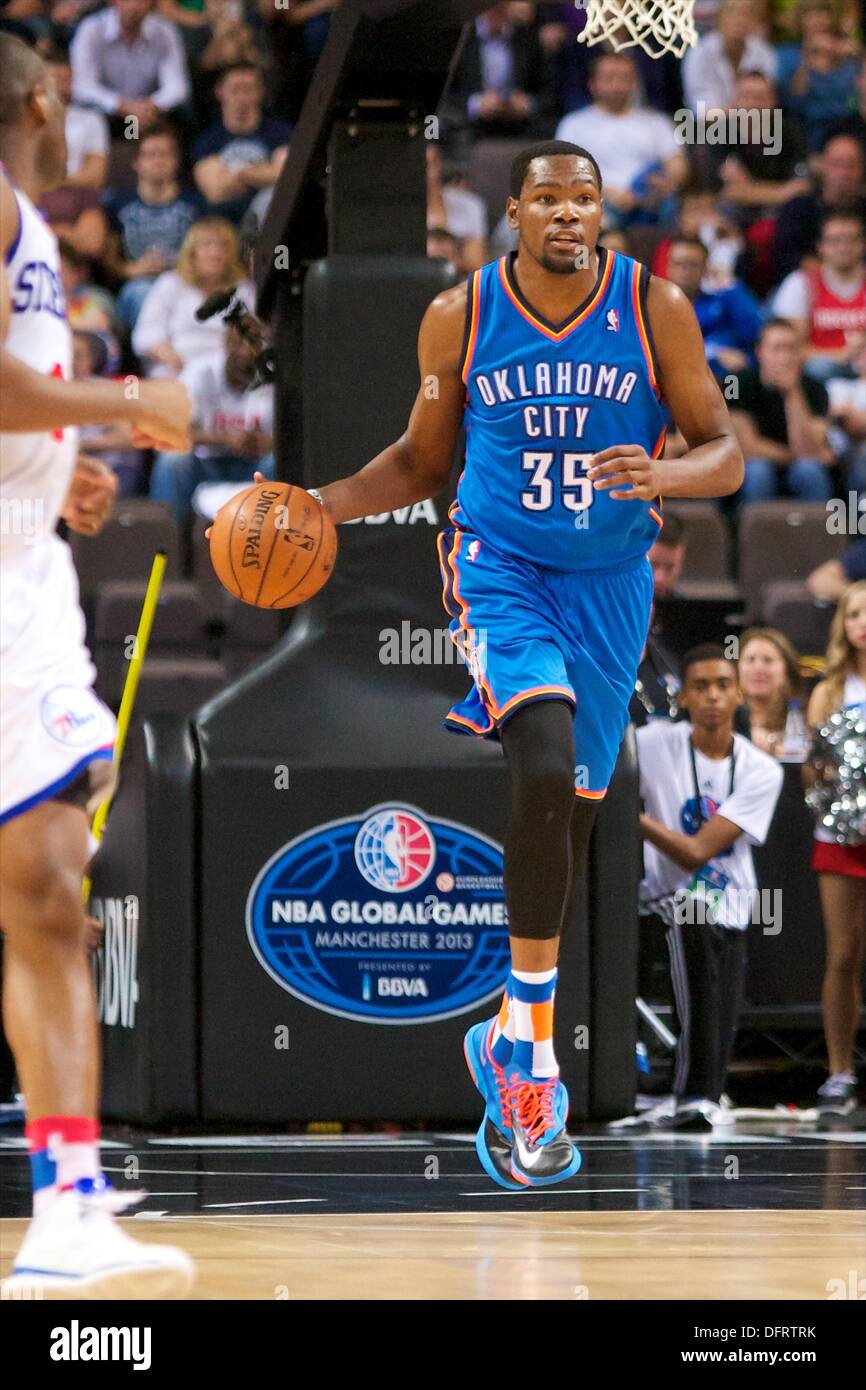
(494, 1137)
(541, 1151)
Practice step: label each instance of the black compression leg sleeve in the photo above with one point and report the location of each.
(539, 747)
(582, 820)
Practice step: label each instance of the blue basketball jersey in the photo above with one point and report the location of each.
(541, 400)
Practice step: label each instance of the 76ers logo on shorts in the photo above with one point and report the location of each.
(394, 850)
(71, 715)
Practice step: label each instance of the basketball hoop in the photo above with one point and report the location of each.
(659, 26)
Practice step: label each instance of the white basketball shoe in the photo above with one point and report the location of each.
(76, 1249)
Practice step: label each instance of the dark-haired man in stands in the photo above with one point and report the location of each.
(244, 150)
(502, 83)
(149, 223)
(128, 61)
(709, 795)
(841, 170)
(780, 417)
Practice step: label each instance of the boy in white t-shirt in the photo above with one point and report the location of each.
(709, 795)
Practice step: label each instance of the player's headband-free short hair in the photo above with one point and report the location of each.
(706, 651)
(546, 149)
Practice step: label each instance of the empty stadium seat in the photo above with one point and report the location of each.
(125, 547)
(179, 625)
(707, 540)
(788, 605)
(782, 540)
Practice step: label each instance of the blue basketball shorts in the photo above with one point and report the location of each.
(528, 633)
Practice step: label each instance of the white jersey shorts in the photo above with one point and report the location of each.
(53, 728)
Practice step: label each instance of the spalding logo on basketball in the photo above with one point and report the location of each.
(394, 851)
(273, 545)
(392, 916)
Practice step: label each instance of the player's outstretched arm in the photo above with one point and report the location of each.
(418, 464)
(158, 411)
(713, 465)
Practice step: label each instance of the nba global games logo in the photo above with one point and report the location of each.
(393, 916)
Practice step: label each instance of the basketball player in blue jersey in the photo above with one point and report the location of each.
(557, 359)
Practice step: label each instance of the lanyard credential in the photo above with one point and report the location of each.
(699, 810)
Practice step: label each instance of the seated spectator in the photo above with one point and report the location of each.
(167, 334)
(244, 150)
(113, 443)
(830, 580)
(711, 69)
(841, 868)
(827, 304)
(452, 204)
(848, 420)
(709, 795)
(699, 215)
(640, 160)
(755, 179)
(86, 130)
(232, 427)
(772, 692)
(657, 686)
(817, 76)
(148, 226)
(841, 169)
(502, 85)
(729, 318)
(780, 418)
(128, 61)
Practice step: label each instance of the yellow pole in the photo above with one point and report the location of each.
(130, 686)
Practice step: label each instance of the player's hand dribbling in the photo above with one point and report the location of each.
(629, 469)
(90, 497)
(164, 417)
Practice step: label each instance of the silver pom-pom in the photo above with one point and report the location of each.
(839, 747)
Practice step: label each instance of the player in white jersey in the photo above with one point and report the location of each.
(54, 733)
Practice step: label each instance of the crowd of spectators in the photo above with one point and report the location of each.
(180, 114)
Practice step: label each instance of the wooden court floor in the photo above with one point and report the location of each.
(515, 1255)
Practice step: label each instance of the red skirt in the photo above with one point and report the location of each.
(839, 859)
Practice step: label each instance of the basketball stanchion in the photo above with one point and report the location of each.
(130, 686)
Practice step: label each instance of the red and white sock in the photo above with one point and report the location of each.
(63, 1149)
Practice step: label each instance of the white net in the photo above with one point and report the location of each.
(659, 26)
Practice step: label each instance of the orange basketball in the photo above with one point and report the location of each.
(273, 545)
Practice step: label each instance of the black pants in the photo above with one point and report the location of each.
(708, 966)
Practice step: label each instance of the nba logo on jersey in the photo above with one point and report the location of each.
(612, 321)
(474, 547)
